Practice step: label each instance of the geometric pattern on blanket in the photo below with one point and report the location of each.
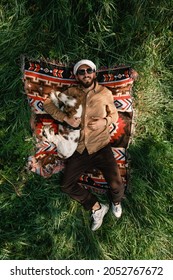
(40, 78)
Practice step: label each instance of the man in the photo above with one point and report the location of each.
(94, 148)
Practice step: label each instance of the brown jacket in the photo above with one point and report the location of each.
(96, 103)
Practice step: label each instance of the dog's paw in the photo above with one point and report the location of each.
(46, 131)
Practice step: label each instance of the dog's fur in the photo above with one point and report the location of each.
(67, 138)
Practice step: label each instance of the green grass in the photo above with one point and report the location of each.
(38, 221)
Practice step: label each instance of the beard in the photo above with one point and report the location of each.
(87, 83)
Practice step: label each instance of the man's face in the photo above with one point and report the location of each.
(85, 76)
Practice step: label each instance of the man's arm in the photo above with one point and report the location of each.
(53, 110)
(112, 113)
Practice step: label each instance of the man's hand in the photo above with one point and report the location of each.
(47, 100)
(97, 123)
(74, 122)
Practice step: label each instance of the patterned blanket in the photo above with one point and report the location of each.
(40, 78)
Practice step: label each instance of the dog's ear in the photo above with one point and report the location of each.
(79, 101)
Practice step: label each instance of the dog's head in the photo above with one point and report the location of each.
(70, 102)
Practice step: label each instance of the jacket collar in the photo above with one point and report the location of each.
(96, 89)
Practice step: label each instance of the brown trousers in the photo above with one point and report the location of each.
(78, 163)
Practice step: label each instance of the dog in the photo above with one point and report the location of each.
(67, 138)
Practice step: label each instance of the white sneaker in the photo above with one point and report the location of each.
(117, 210)
(98, 216)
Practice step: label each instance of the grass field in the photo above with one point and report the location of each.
(37, 220)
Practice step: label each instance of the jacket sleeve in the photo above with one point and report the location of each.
(112, 113)
(52, 110)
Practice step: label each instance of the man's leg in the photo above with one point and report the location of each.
(75, 167)
(106, 163)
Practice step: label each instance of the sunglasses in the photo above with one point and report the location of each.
(83, 71)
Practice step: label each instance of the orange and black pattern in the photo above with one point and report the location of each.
(40, 78)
